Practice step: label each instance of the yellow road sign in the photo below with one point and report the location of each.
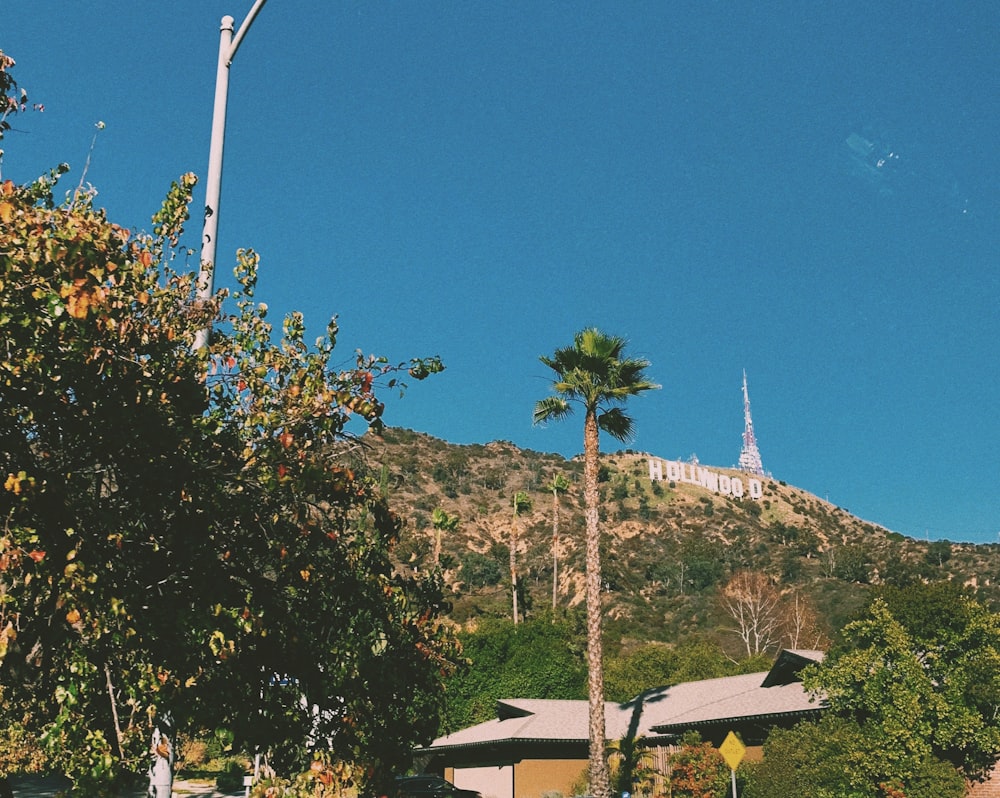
(732, 751)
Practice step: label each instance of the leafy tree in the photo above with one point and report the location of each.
(938, 553)
(879, 680)
(557, 486)
(807, 543)
(595, 373)
(894, 569)
(916, 699)
(657, 665)
(651, 665)
(790, 564)
(479, 570)
(20, 749)
(833, 758)
(539, 658)
(699, 564)
(852, 564)
(958, 642)
(186, 530)
(700, 658)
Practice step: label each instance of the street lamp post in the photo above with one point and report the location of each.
(228, 45)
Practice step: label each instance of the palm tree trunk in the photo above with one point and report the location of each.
(513, 563)
(555, 548)
(600, 782)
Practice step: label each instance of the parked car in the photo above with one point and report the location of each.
(430, 787)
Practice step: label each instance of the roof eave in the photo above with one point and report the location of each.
(509, 742)
(674, 728)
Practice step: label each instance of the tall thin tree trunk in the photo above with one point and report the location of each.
(513, 561)
(114, 710)
(555, 547)
(600, 781)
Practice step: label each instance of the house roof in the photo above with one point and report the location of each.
(731, 699)
(527, 720)
(660, 711)
(788, 664)
(774, 693)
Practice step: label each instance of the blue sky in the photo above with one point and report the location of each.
(480, 180)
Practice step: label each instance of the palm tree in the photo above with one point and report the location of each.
(442, 522)
(522, 504)
(595, 374)
(558, 484)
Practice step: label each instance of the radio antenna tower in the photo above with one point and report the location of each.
(749, 454)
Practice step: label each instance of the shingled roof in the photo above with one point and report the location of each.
(522, 720)
(659, 712)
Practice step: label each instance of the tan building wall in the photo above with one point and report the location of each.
(531, 778)
(987, 789)
(492, 781)
(534, 777)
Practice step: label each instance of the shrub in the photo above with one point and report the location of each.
(20, 751)
(192, 754)
(231, 779)
(698, 770)
(479, 570)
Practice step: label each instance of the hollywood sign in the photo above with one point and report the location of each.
(693, 474)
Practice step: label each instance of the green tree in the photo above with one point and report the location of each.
(595, 373)
(700, 658)
(834, 758)
(699, 564)
(916, 699)
(938, 553)
(651, 665)
(186, 531)
(958, 642)
(480, 570)
(538, 658)
(852, 564)
(880, 681)
(557, 486)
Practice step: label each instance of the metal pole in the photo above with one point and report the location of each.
(213, 183)
(244, 27)
(228, 45)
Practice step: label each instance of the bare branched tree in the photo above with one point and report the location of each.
(800, 623)
(754, 604)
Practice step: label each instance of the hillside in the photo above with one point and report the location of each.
(669, 547)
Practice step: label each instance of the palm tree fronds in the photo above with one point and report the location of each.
(552, 408)
(617, 424)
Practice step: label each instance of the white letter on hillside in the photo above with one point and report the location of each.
(708, 479)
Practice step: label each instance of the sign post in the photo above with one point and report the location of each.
(732, 751)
